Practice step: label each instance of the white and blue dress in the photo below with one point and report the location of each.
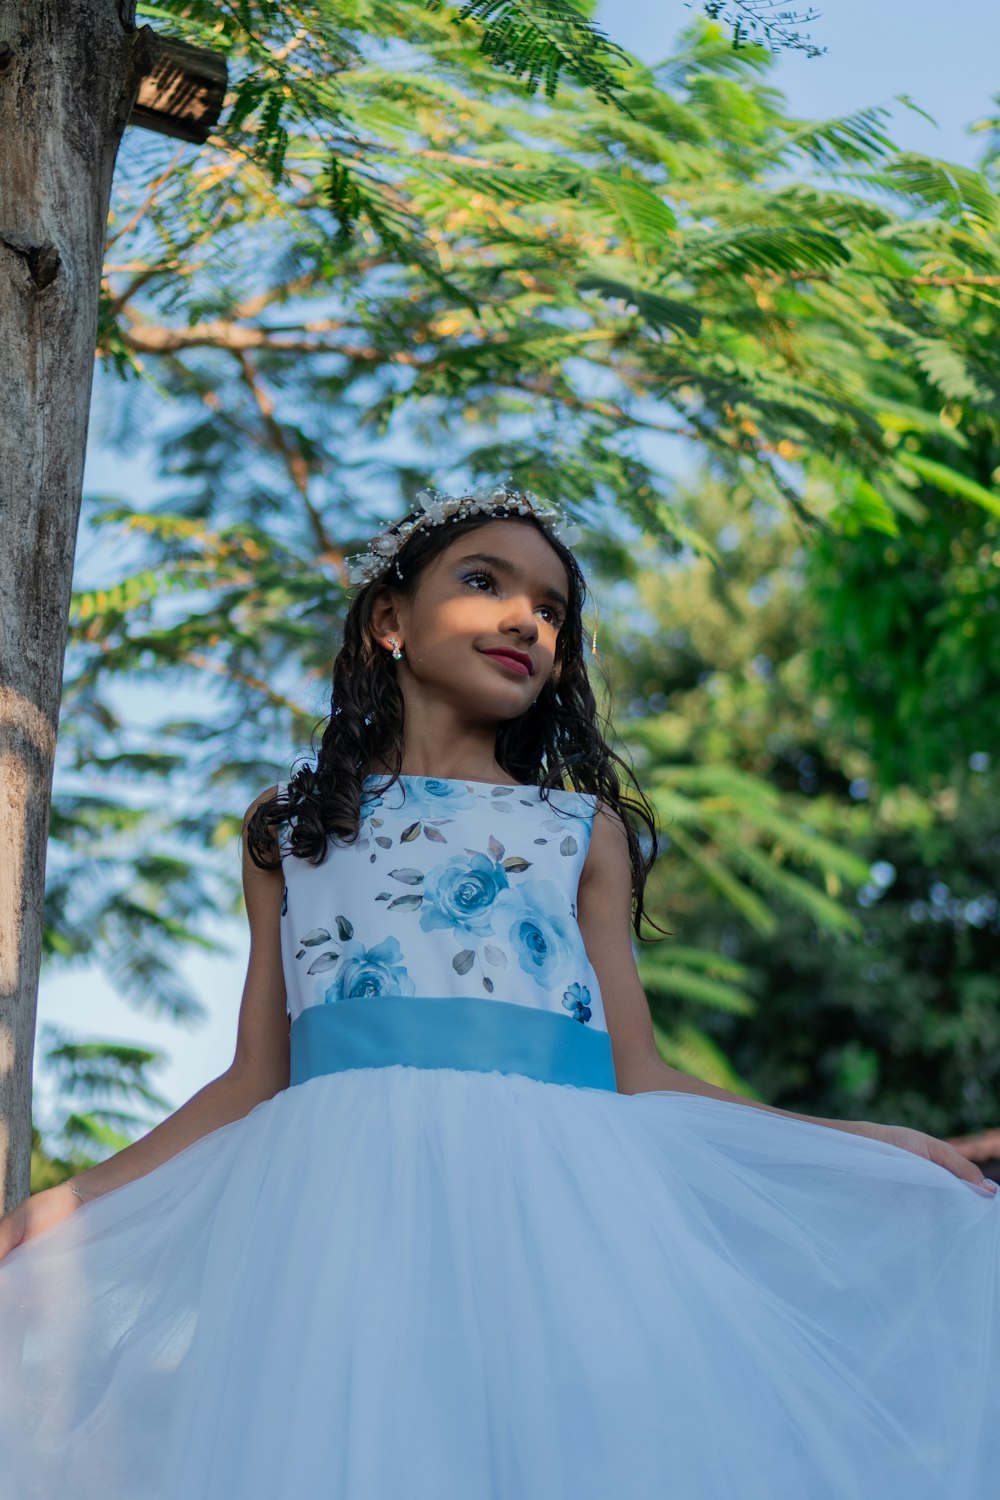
(452, 1262)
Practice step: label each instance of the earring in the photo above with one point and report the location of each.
(397, 655)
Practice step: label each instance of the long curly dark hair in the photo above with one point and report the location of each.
(559, 742)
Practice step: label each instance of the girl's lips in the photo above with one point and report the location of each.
(512, 662)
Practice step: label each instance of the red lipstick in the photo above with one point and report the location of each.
(516, 661)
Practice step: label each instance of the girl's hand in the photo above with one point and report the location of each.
(930, 1147)
(35, 1215)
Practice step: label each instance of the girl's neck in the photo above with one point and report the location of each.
(418, 766)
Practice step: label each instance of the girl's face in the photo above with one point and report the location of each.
(480, 630)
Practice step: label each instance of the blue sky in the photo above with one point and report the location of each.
(945, 57)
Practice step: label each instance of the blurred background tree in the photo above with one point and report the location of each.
(896, 1017)
(754, 353)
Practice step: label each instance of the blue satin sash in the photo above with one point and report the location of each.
(469, 1033)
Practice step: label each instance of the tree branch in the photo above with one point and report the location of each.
(297, 466)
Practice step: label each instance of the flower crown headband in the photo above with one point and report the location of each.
(435, 508)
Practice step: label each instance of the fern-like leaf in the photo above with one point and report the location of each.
(674, 979)
(949, 482)
(943, 187)
(652, 307)
(686, 1048)
(538, 40)
(786, 249)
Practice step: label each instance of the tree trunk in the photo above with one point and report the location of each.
(69, 72)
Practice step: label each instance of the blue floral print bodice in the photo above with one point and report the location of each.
(453, 888)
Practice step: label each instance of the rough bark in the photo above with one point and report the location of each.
(69, 71)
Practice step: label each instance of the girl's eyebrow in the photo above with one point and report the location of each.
(503, 565)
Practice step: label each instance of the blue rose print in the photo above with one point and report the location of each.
(369, 803)
(542, 932)
(426, 797)
(577, 1001)
(460, 894)
(370, 971)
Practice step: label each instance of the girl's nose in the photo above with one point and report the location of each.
(521, 617)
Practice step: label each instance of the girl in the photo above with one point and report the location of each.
(448, 1227)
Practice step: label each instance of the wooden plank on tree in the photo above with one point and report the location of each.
(183, 93)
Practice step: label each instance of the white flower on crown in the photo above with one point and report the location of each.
(433, 506)
(434, 509)
(567, 532)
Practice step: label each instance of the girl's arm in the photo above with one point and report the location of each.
(604, 908)
(259, 1070)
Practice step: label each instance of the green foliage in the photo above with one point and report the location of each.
(758, 21)
(731, 827)
(903, 1027)
(906, 646)
(899, 1019)
(392, 264)
(456, 234)
(48, 1170)
(127, 907)
(537, 40)
(119, 1103)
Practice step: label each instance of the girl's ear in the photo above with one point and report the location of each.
(384, 617)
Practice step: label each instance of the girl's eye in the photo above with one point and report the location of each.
(480, 573)
(554, 615)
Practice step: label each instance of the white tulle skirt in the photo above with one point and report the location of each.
(401, 1283)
